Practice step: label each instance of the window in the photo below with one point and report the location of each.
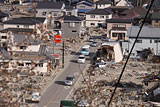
(21, 64)
(74, 31)
(26, 26)
(28, 64)
(44, 13)
(4, 37)
(92, 24)
(82, 7)
(23, 47)
(107, 17)
(114, 35)
(69, 13)
(120, 25)
(156, 41)
(18, 26)
(71, 24)
(39, 65)
(150, 41)
(54, 14)
(139, 41)
(156, 21)
(101, 17)
(92, 16)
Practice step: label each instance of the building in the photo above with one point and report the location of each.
(148, 38)
(124, 3)
(71, 26)
(102, 4)
(117, 28)
(97, 17)
(53, 8)
(25, 22)
(84, 7)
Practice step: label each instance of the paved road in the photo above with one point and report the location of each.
(57, 90)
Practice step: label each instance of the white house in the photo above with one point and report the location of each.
(124, 3)
(102, 4)
(148, 38)
(25, 22)
(97, 17)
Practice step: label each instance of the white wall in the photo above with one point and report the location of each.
(96, 20)
(139, 46)
(5, 26)
(103, 6)
(32, 48)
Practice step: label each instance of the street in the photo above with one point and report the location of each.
(57, 91)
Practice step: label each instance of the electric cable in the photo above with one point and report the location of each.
(130, 53)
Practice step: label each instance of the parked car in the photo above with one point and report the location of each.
(81, 59)
(83, 103)
(91, 39)
(69, 80)
(36, 97)
(101, 64)
(94, 44)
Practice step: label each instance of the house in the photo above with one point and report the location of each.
(53, 8)
(124, 3)
(148, 38)
(84, 7)
(117, 26)
(25, 22)
(97, 17)
(71, 26)
(102, 4)
(27, 54)
(3, 16)
(70, 10)
(153, 18)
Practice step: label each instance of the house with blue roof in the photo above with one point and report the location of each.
(83, 7)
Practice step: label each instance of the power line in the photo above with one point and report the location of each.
(130, 53)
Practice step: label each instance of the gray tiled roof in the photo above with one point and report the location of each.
(100, 12)
(25, 20)
(49, 5)
(17, 30)
(70, 18)
(146, 32)
(119, 20)
(2, 14)
(103, 2)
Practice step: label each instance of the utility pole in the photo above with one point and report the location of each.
(63, 56)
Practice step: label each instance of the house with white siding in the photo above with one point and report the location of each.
(102, 4)
(97, 17)
(148, 38)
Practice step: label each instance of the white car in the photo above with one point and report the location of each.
(101, 64)
(36, 97)
(81, 59)
(69, 80)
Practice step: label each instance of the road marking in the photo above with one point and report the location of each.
(53, 96)
(76, 73)
(67, 87)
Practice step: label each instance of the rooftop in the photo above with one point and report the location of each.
(119, 20)
(70, 18)
(100, 12)
(85, 3)
(16, 30)
(49, 5)
(25, 20)
(146, 32)
(103, 2)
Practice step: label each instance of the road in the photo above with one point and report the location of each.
(57, 91)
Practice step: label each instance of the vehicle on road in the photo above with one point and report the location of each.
(94, 44)
(81, 59)
(85, 50)
(36, 97)
(69, 80)
(91, 39)
(67, 103)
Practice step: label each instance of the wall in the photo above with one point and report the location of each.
(40, 11)
(85, 6)
(5, 26)
(96, 20)
(103, 6)
(109, 27)
(67, 31)
(139, 46)
(32, 48)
